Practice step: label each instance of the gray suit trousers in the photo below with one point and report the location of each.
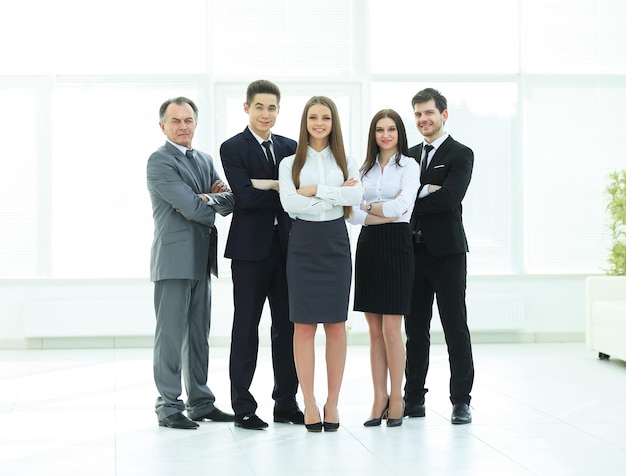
(181, 343)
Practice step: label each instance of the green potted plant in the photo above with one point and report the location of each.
(616, 207)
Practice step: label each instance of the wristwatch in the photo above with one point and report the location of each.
(369, 207)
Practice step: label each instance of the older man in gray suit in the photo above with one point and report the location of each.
(186, 192)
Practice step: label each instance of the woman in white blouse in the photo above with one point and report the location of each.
(318, 187)
(384, 265)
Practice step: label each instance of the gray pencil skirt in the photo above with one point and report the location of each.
(319, 271)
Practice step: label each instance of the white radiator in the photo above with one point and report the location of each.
(88, 318)
(495, 312)
(486, 312)
(135, 317)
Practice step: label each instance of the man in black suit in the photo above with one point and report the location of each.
(440, 259)
(257, 246)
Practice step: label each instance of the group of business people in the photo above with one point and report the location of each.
(288, 244)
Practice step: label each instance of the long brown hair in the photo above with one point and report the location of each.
(372, 146)
(335, 141)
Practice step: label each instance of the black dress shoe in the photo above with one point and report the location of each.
(414, 410)
(461, 414)
(178, 420)
(250, 422)
(216, 415)
(294, 416)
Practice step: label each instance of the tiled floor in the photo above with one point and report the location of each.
(546, 409)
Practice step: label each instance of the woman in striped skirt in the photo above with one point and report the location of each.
(384, 258)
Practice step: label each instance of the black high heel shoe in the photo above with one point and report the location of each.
(328, 426)
(391, 422)
(378, 421)
(313, 427)
(331, 426)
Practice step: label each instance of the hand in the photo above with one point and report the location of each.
(203, 197)
(351, 182)
(218, 187)
(307, 190)
(265, 184)
(433, 188)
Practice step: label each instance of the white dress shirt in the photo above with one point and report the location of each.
(383, 185)
(320, 168)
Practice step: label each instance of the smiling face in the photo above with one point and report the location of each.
(262, 111)
(387, 136)
(429, 120)
(319, 124)
(179, 124)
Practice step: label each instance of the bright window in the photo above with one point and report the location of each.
(536, 88)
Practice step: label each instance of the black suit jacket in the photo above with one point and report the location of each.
(252, 227)
(439, 215)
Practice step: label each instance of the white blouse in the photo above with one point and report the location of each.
(320, 168)
(384, 185)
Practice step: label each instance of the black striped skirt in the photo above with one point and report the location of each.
(319, 271)
(384, 267)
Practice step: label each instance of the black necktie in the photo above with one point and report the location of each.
(270, 157)
(424, 164)
(193, 161)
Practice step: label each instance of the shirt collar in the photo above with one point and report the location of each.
(259, 138)
(437, 142)
(323, 153)
(179, 147)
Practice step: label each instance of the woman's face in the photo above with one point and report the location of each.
(387, 135)
(319, 122)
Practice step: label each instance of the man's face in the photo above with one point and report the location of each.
(429, 120)
(262, 112)
(180, 124)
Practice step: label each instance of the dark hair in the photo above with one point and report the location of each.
(372, 146)
(335, 141)
(427, 94)
(261, 86)
(179, 100)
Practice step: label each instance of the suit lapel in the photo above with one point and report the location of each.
(439, 155)
(278, 148)
(205, 179)
(184, 162)
(259, 153)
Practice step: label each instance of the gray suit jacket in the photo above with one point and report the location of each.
(185, 238)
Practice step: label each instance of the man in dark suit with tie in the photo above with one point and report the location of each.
(186, 193)
(257, 246)
(440, 259)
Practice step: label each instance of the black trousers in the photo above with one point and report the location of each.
(253, 283)
(444, 277)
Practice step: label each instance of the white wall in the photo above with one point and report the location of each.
(118, 313)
